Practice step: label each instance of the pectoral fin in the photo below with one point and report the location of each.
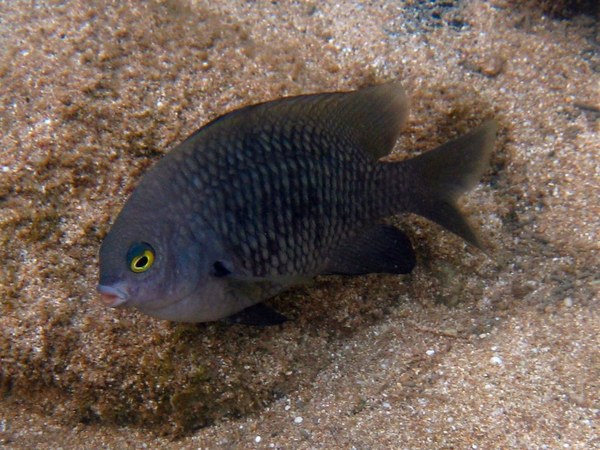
(248, 290)
(381, 249)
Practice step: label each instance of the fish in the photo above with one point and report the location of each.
(273, 194)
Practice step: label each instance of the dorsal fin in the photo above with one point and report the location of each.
(372, 116)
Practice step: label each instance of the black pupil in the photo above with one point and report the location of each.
(141, 262)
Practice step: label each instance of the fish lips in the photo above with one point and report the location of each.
(112, 296)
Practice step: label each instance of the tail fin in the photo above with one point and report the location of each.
(440, 176)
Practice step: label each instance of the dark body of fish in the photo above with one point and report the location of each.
(275, 193)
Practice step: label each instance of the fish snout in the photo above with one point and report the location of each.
(111, 296)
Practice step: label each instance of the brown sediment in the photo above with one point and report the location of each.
(466, 351)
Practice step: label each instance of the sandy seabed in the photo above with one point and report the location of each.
(466, 352)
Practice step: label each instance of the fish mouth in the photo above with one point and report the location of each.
(112, 296)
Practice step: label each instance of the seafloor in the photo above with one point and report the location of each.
(469, 351)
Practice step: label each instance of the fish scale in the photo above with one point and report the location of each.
(310, 184)
(271, 194)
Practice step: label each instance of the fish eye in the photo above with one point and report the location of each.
(140, 257)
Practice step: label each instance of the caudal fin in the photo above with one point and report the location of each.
(440, 176)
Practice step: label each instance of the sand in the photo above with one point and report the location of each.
(469, 351)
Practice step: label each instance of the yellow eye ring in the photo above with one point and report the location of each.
(141, 257)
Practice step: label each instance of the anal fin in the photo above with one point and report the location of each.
(381, 249)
